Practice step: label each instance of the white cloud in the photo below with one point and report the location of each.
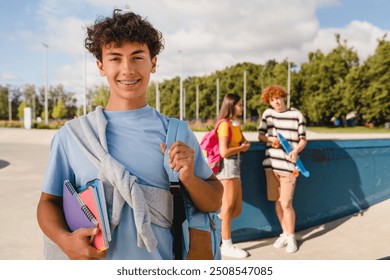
(62, 31)
(108, 4)
(65, 35)
(324, 3)
(363, 36)
(222, 33)
(72, 75)
(7, 77)
(360, 35)
(212, 35)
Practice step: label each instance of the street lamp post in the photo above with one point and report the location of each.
(157, 98)
(288, 83)
(85, 81)
(184, 103)
(9, 104)
(217, 99)
(244, 113)
(181, 85)
(34, 117)
(197, 102)
(46, 83)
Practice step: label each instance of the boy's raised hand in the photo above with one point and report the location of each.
(181, 159)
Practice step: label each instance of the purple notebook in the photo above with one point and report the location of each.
(76, 213)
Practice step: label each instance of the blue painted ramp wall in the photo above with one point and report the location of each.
(347, 176)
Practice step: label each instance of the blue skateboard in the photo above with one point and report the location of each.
(287, 148)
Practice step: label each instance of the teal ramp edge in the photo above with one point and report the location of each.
(347, 177)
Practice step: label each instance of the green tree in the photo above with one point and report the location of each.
(21, 109)
(376, 97)
(56, 93)
(59, 111)
(98, 96)
(29, 94)
(3, 103)
(169, 97)
(356, 83)
(322, 79)
(328, 85)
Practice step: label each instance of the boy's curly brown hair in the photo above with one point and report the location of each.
(272, 92)
(122, 28)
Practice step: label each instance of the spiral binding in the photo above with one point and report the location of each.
(88, 213)
(70, 187)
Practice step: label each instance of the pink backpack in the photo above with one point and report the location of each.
(210, 146)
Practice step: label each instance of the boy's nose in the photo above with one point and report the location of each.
(128, 67)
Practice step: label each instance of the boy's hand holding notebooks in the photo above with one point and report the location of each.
(85, 207)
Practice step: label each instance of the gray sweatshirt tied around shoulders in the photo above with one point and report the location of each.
(149, 204)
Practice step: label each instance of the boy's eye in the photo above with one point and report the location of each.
(114, 59)
(138, 58)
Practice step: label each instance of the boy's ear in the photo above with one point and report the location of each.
(100, 67)
(154, 64)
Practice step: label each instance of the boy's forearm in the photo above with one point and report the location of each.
(206, 194)
(51, 220)
(301, 145)
(263, 138)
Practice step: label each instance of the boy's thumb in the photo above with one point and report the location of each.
(95, 231)
(91, 231)
(88, 231)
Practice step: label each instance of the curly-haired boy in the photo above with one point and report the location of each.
(124, 138)
(279, 167)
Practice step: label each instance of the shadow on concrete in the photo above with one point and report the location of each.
(3, 163)
(333, 191)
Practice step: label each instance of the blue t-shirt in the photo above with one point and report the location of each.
(133, 139)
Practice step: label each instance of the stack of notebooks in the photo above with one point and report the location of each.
(85, 207)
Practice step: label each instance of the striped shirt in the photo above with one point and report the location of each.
(292, 125)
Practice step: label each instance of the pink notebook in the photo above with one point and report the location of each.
(90, 198)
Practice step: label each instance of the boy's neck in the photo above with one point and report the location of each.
(281, 110)
(125, 105)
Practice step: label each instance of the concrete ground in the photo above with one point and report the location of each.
(23, 156)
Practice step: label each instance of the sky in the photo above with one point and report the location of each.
(201, 36)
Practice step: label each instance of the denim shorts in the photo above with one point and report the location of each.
(230, 168)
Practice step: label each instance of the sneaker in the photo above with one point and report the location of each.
(281, 241)
(233, 252)
(291, 245)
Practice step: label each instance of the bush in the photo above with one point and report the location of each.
(17, 124)
(40, 125)
(209, 125)
(249, 127)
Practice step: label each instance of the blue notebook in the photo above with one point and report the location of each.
(92, 195)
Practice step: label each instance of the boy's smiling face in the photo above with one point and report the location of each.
(127, 69)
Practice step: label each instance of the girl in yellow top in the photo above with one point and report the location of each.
(229, 174)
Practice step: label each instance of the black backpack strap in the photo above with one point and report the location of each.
(178, 219)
